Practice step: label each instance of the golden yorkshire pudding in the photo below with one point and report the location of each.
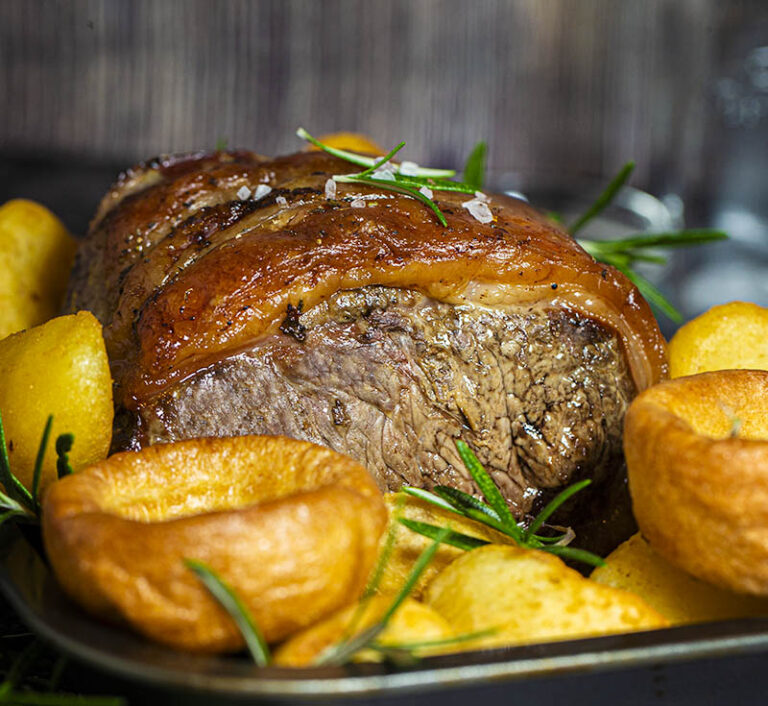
(292, 527)
(697, 456)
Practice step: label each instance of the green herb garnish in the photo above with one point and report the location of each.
(18, 502)
(379, 172)
(38, 469)
(474, 169)
(605, 198)
(495, 514)
(237, 610)
(343, 650)
(404, 651)
(63, 446)
(623, 253)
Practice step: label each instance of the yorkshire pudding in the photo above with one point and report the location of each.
(697, 456)
(292, 527)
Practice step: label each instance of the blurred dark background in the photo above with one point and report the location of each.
(564, 92)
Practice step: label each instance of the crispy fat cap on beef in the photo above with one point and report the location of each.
(184, 268)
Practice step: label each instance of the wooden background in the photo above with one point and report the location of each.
(553, 85)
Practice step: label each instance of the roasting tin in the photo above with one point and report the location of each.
(28, 584)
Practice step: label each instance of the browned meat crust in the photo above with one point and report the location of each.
(373, 329)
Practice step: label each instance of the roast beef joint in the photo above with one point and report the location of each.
(360, 323)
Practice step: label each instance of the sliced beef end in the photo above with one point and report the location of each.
(393, 378)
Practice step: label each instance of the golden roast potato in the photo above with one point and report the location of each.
(529, 596)
(292, 527)
(697, 458)
(729, 336)
(408, 545)
(58, 368)
(678, 596)
(412, 623)
(37, 253)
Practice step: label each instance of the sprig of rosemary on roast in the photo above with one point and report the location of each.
(418, 182)
(16, 502)
(495, 513)
(624, 253)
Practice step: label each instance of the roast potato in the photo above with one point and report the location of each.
(408, 545)
(729, 336)
(413, 622)
(59, 368)
(678, 596)
(529, 596)
(37, 254)
(350, 141)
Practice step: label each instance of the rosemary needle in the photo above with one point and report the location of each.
(474, 169)
(237, 610)
(494, 514)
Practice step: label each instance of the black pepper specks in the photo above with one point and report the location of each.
(553, 285)
(291, 325)
(339, 413)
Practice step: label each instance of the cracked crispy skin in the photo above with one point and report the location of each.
(183, 274)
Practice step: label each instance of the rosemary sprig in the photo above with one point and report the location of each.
(38, 469)
(488, 488)
(338, 653)
(605, 198)
(342, 651)
(551, 507)
(623, 253)
(237, 610)
(416, 184)
(13, 486)
(494, 514)
(474, 169)
(455, 539)
(363, 161)
(17, 502)
(396, 187)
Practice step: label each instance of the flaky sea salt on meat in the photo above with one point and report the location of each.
(261, 191)
(480, 196)
(385, 171)
(478, 210)
(426, 191)
(358, 203)
(330, 189)
(409, 169)
(243, 193)
(281, 201)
